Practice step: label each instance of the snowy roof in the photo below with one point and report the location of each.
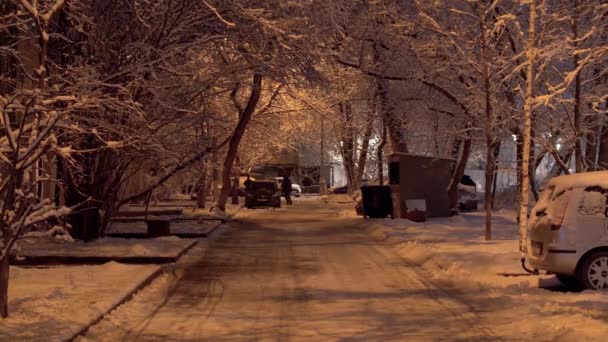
(579, 180)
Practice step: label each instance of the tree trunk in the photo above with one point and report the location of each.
(391, 121)
(602, 160)
(528, 109)
(519, 151)
(364, 151)
(41, 22)
(592, 148)
(4, 278)
(459, 169)
(393, 124)
(235, 139)
(489, 176)
(489, 122)
(235, 191)
(322, 180)
(532, 172)
(494, 180)
(96, 194)
(86, 220)
(348, 147)
(201, 198)
(235, 183)
(380, 155)
(215, 183)
(578, 154)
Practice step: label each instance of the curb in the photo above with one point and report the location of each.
(204, 234)
(59, 260)
(82, 331)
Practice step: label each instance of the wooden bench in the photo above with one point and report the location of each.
(158, 226)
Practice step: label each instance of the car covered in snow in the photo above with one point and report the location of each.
(568, 230)
(263, 193)
(467, 194)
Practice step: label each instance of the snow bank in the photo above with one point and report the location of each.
(52, 304)
(338, 199)
(107, 247)
(453, 253)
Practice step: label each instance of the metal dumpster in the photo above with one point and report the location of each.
(376, 200)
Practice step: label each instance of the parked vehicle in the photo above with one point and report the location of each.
(296, 190)
(263, 193)
(568, 230)
(467, 194)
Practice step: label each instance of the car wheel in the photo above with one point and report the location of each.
(569, 281)
(593, 273)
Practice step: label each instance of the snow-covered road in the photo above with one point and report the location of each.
(299, 273)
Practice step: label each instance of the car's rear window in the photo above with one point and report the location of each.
(593, 201)
(263, 186)
(551, 207)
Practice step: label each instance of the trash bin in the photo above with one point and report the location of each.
(376, 200)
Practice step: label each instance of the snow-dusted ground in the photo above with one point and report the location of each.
(301, 273)
(52, 304)
(315, 272)
(488, 275)
(167, 246)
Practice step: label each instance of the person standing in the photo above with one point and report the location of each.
(247, 183)
(286, 188)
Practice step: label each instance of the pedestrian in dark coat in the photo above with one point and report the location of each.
(247, 183)
(286, 188)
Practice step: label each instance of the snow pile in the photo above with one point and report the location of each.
(338, 199)
(107, 247)
(347, 213)
(52, 304)
(453, 253)
(57, 232)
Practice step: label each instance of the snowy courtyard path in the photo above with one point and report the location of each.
(299, 273)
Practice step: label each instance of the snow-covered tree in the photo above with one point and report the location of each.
(31, 116)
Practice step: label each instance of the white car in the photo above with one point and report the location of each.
(296, 190)
(467, 197)
(568, 230)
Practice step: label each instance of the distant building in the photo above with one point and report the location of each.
(302, 164)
